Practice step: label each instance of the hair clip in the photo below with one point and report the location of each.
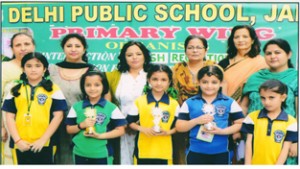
(47, 78)
(19, 81)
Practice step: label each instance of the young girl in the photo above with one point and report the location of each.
(94, 121)
(215, 111)
(153, 116)
(270, 131)
(34, 110)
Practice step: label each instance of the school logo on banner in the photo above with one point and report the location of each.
(100, 118)
(220, 110)
(42, 98)
(166, 116)
(278, 136)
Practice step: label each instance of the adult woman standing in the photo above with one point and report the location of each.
(277, 55)
(185, 73)
(66, 75)
(21, 44)
(242, 59)
(185, 82)
(126, 83)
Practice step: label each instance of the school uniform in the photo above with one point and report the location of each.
(31, 125)
(90, 150)
(155, 149)
(226, 110)
(269, 135)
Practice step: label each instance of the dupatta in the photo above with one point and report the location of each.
(236, 74)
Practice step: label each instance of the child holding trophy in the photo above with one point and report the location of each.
(94, 121)
(207, 116)
(154, 116)
(34, 110)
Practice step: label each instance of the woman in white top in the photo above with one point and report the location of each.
(126, 84)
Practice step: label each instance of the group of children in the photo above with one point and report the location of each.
(35, 107)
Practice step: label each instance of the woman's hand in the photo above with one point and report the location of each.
(38, 145)
(23, 145)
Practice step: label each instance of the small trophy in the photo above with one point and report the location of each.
(157, 115)
(90, 113)
(209, 109)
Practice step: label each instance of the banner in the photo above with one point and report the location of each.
(161, 26)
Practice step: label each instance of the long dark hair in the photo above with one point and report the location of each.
(255, 47)
(17, 34)
(94, 73)
(282, 44)
(46, 83)
(81, 38)
(123, 65)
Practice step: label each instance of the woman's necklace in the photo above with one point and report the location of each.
(71, 74)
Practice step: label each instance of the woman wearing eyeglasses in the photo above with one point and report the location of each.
(185, 81)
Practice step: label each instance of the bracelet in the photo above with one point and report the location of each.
(78, 125)
(18, 141)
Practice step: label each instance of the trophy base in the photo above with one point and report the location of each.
(156, 129)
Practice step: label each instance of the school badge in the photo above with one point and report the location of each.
(165, 117)
(42, 98)
(100, 118)
(220, 110)
(278, 136)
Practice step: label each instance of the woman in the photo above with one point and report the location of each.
(185, 81)
(242, 59)
(126, 84)
(277, 55)
(21, 44)
(66, 75)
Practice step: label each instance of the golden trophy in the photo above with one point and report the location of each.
(90, 113)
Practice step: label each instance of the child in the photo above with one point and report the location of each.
(34, 110)
(153, 116)
(94, 121)
(215, 111)
(270, 131)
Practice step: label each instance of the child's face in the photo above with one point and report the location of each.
(209, 85)
(272, 101)
(93, 86)
(34, 70)
(159, 82)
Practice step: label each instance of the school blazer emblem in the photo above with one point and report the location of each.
(42, 99)
(278, 136)
(100, 118)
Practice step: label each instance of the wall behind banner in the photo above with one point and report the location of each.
(162, 27)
